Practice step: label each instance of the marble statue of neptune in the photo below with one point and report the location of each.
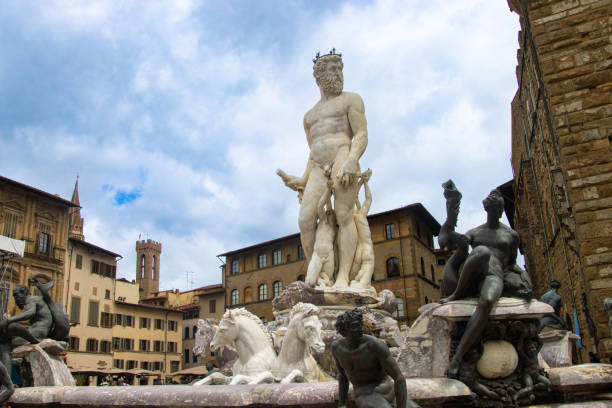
(337, 135)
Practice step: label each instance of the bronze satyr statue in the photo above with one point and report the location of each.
(366, 362)
(46, 320)
(488, 270)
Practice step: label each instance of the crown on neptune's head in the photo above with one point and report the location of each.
(331, 53)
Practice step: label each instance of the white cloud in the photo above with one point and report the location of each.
(200, 121)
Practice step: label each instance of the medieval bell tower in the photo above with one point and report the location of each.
(147, 267)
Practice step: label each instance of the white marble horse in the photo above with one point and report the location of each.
(302, 338)
(257, 362)
(252, 341)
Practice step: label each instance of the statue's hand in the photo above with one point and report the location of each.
(349, 172)
(294, 183)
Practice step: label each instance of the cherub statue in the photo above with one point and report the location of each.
(321, 266)
(532, 379)
(363, 264)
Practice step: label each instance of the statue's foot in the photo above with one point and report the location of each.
(447, 299)
(453, 370)
(340, 284)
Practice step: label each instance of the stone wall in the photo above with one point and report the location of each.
(561, 133)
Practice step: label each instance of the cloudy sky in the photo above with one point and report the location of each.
(175, 114)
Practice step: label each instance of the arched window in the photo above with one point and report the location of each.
(248, 295)
(422, 267)
(276, 288)
(399, 311)
(433, 274)
(235, 296)
(153, 268)
(263, 291)
(301, 278)
(142, 267)
(186, 335)
(393, 267)
(194, 331)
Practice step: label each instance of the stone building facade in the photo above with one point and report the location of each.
(41, 220)
(561, 156)
(406, 263)
(111, 331)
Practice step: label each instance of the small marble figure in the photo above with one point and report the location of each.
(366, 362)
(485, 270)
(363, 264)
(321, 266)
(551, 297)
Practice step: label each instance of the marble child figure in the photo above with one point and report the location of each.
(321, 266)
(366, 362)
(337, 135)
(363, 265)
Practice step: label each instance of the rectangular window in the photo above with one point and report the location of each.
(399, 312)
(91, 345)
(75, 310)
(144, 365)
(145, 323)
(159, 324)
(390, 231)
(158, 346)
(145, 345)
(300, 252)
(95, 267)
(172, 347)
(174, 366)
(79, 261)
(105, 346)
(158, 366)
(93, 313)
(107, 294)
(73, 343)
(131, 364)
(212, 306)
(235, 266)
(127, 344)
(106, 319)
(128, 320)
(44, 241)
(277, 257)
(186, 355)
(116, 343)
(118, 363)
(10, 225)
(261, 260)
(118, 319)
(172, 325)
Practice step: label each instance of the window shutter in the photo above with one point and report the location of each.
(75, 310)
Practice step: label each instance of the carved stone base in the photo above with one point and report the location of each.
(376, 321)
(46, 365)
(557, 346)
(322, 296)
(497, 367)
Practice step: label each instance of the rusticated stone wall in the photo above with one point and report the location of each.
(561, 155)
